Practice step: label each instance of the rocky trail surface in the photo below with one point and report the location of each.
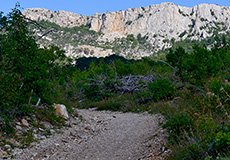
(103, 135)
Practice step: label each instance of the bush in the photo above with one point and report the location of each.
(223, 140)
(220, 89)
(177, 125)
(177, 59)
(162, 89)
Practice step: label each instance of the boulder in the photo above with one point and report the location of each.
(60, 110)
(18, 127)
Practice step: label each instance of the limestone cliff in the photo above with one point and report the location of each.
(158, 23)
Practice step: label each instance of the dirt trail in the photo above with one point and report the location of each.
(101, 135)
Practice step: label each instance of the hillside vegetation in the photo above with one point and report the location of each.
(80, 41)
(191, 89)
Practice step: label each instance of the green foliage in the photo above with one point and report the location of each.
(212, 12)
(191, 14)
(203, 19)
(178, 124)
(182, 13)
(198, 118)
(26, 72)
(166, 40)
(223, 140)
(200, 63)
(141, 40)
(129, 22)
(47, 24)
(162, 89)
(130, 37)
(183, 34)
(220, 89)
(140, 15)
(193, 23)
(178, 58)
(122, 68)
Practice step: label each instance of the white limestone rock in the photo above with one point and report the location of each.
(61, 111)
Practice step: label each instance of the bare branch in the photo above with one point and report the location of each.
(46, 34)
(35, 23)
(38, 101)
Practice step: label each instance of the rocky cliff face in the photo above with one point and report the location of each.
(62, 18)
(160, 24)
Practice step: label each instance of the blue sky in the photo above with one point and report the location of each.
(89, 7)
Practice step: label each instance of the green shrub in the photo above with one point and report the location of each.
(129, 22)
(220, 89)
(183, 34)
(177, 59)
(162, 89)
(223, 140)
(177, 125)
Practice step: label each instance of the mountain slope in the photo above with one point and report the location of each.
(160, 25)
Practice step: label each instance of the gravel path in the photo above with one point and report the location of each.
(101, 135)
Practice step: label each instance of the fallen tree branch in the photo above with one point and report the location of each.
(38, 101)
(40, 27)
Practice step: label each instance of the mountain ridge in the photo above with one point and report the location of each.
(159, 24)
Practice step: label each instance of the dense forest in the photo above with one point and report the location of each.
(191, 88)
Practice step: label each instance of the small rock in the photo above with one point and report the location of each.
(40, 129)
(35, 154)
(33, 116)
(18, 127)
(96, 129)
(2, 153)
(52, 131)
(60, 110)
(7, 146)
(163, 149)
(25, 123)
(57, 145)
(18, 123)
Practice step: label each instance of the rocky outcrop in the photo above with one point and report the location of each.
(160, 24)
(62, 18)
